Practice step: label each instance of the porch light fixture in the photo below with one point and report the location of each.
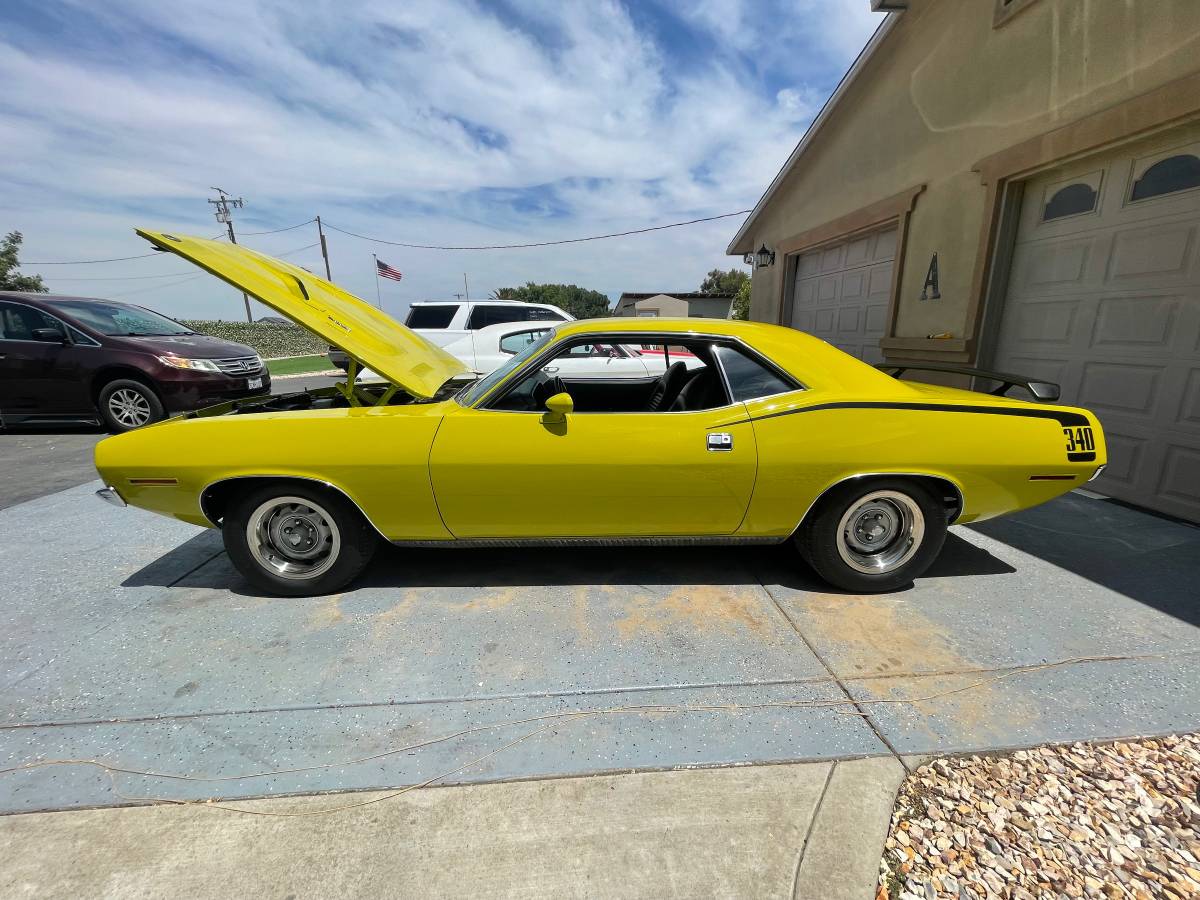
(765, 257)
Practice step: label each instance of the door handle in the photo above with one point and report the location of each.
(720, 441)
(550, 369)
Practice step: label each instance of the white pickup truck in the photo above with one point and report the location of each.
(446, 321)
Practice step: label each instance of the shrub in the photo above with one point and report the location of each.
(269, 339)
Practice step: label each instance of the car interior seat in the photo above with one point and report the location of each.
(667, 388)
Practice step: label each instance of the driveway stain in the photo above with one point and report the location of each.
(879, 635)
(190, 688)
(696, 607)
(868, 631)
(326, 615)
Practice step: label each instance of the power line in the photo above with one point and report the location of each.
(121, 278)
(277, 230)
(87, 262)
(158, 287)
(297, 250)
(579, 240)
(165, 275)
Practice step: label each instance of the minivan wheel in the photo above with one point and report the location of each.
(297, 540)
(873, 535)
(126, 404)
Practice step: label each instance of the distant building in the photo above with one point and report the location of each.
(681, 304)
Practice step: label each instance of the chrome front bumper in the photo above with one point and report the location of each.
(109, 494)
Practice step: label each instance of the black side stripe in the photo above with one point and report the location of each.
(1066, 419)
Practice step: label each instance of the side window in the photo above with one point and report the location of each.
(17, 323)
(7, 322)
(748, 378)
(515, 343)
(431, 316)
(595, 351)
(483, 315)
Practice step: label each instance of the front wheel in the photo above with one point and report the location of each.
(297, 540)
(126, 404)
(873, 536)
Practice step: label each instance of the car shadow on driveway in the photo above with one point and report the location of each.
(1152, 559)
(195, 563)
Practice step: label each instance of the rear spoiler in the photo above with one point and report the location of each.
(1045, 391)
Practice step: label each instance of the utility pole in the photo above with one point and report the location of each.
(225, 217)
(325, 253)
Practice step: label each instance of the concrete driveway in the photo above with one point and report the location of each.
(129, 640)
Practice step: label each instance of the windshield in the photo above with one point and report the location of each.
(118, 319)
(485, 384)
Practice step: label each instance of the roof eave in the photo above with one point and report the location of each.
(741, 242)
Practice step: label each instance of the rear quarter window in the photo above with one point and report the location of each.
(748, 378)
(431, 316)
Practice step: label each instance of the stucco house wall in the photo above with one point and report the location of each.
(944, 89)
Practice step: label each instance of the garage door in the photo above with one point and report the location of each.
(841, 293)
(1104, 298)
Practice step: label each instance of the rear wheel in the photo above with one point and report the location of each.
(297, 540)
(126, 404)
(876, 535)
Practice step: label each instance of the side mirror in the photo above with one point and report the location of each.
(557, 408)
(50, 335)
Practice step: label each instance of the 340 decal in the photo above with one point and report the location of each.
(1080, 439)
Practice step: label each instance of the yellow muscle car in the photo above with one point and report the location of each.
(742, 433)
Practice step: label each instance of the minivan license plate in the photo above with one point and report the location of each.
(254, 383)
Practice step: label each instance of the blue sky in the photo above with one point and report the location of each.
(442, 122)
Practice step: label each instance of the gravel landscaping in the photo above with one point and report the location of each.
(1107, 820)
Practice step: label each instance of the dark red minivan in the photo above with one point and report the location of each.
(73, 359)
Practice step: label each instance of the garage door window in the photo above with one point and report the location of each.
(1180, 172)
(1074, 198)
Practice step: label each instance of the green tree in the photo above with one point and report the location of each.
(741, 301)
(579, 302)
(10, 279)
(718, 282)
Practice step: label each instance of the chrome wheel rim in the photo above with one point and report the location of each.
(293, 537)
(129, 407)
(880, 532)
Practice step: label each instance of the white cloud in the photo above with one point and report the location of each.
(425, 121)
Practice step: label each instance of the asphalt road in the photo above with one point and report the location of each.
(36, 462)
(40, 461)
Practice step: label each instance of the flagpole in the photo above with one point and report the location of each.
(378, 299)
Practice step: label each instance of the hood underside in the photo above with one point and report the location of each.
(369, 336)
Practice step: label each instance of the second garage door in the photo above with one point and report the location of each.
(1104, 298)
(841, 292)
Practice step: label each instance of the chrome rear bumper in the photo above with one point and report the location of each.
(109, 493)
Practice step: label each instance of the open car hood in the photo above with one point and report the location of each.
(369, 336)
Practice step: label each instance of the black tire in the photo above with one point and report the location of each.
(335, 541)
(126, 404)
(880, 506)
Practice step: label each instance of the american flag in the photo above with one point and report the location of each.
(383, 270)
